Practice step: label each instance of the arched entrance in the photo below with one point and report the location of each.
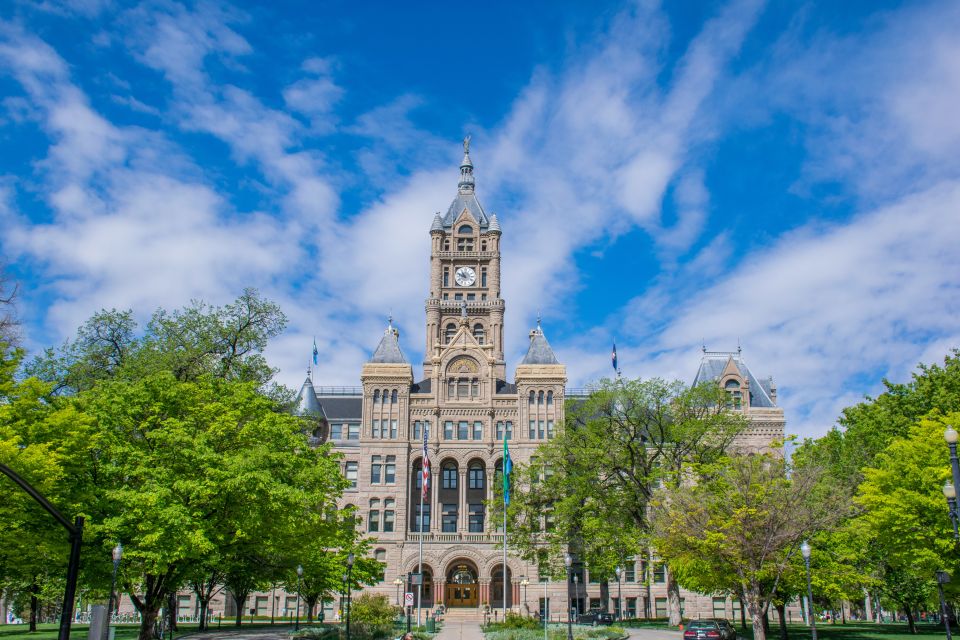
(496, 587)
(463, 589)
(426, 592)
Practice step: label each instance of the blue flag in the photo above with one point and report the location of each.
(507, 468)
(315, 352)
(613, 356)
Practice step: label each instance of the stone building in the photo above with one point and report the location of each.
(465, 403)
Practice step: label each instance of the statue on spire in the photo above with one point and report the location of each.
(466, 143)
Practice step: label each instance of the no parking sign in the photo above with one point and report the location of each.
(408, 599)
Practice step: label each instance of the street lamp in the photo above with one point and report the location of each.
(619, 573)
(117, 556)
(350, 558)
(524, 583)
(299, 576)
(805, 551)
(950, 493)
(950, 435)
(568, 560)
(943, 578)
(398, 582)
(576, 596)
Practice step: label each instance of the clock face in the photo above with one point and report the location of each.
(466, 276)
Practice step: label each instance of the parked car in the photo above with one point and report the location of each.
(595, 617)
(712, 629)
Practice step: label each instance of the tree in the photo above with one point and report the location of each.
(738, 526)
(595, 480)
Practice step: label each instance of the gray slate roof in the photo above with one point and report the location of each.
(388, 351)
(506, 388)
(539, 351)
(712, 365)
(469, 202)
(338, 408)
(307, 400)
(421, 387)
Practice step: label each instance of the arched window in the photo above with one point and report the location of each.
(478, 333)
(549, 398)
(540, 398)
(734, 395)
(376, 396)
(393, 397)
(533, 397)
(449, 332)
(386, 395)
(449, 476)
(465, 229)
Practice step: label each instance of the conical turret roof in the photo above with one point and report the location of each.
(539, 351)
(307, 403)
(388, 351)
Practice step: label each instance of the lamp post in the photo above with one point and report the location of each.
(950, 493)
(117, 555)
(568, 560)
(524, 583)
(576, 596)
(943, 578)
(350, 558)
(619, 573)
(805, 551)
(299, 576)
(398, 582)
(950, 435)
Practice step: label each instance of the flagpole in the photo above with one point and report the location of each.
(420, 563)
(506, 489)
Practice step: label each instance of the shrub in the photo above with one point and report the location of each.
(372, 616)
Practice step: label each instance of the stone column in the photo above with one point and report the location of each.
(487, 525)
(462, 501)
(435, 499)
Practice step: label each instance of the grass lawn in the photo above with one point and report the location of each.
(123, 631)
(849, 631)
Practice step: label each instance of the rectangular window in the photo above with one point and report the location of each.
(350, 471)
(449, 477)
(446, 277)
(659, 574)
(478, 430)
(540, 430)
(416, 516)
(719, 607)
(463, 389)
(500, 430)
(463, 430)
(471, 296)
(533, 429)
(630, 573)
(375, 432)
(475, 478)
(448, 430)
(393, 429)
(476, 518)
(263, 605)
(376, 469)
(353, 432)
(336, 431)
(449, 522)
(416, 430)
(660, 608)
(631, 607)
(550, 429)
(483, 296)
(548, 520)
(388, 515)
(483, 277)
(390, 470)
(458, 296)
(446, 296)
(373, 522)
(509, 430)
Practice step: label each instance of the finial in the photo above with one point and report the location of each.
(539, 328)
(703, 344)
(738, 346)
(466, 143)
(390, 321)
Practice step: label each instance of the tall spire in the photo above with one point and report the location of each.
(466, 169)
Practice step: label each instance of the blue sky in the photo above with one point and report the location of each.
(783, 176)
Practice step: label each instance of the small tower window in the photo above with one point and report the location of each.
(446, 245)
(376, 396)
(446, 277)
(533, 398)
(540, 398)
(464, 244)
(465, 229)
(734, 395)
(483, 277)
(393, 397)
(549, 398)
(478, 333)
(483, 246)
(449, 332)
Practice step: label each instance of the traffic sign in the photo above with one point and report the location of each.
(408, 599)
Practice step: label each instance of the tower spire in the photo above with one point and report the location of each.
(466, 169)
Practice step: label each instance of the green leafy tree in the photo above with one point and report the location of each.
(590, 488)
(738, 526)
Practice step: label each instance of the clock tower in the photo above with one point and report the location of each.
(465, 276)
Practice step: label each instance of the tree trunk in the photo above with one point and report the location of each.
(757, 617)
(604, 595)
(673, 599)
(241, 600)
(743, 613)
(782, 614)
(311, 603)
(155, 591)
(34, 606)
(148, 620)
(766, 622)
(867, 606)
(843, 611)
(911, 625)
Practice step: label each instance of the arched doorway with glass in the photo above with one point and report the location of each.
(463, 588)
(496, 587)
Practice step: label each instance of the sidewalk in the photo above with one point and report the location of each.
(460, 630)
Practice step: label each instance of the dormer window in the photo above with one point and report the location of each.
(465, 230)
(478, 333)
(449, 333)
(734, 395)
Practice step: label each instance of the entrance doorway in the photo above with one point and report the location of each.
(462, 589)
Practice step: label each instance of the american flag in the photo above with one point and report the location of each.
(425, 479)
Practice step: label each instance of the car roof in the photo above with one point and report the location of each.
(702, 623)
